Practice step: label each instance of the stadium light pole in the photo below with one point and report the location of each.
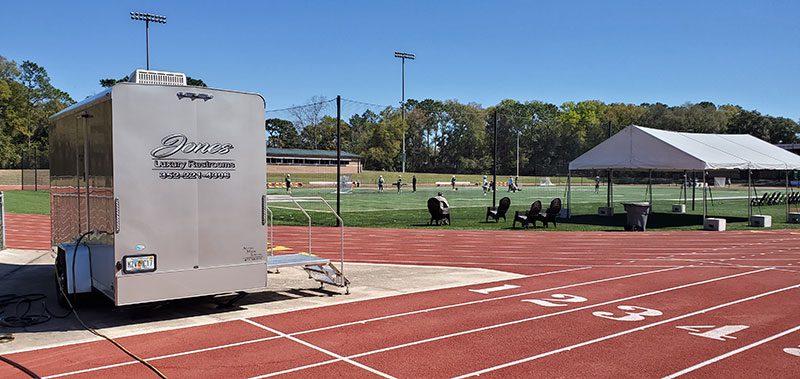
(518, 134)
(403, 57)
(148, 18)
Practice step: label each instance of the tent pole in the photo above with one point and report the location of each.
(705, 206)
(609, 189)
(786, 196)
(694, 187)
(749, 197)
(569, 193)
(650, 187)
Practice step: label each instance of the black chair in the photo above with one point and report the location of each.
(439, 211)
(529, 217)
(760, 201)
(551, 213)
(501, 210)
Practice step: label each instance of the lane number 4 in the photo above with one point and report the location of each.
(557, 300)
(632, 313)
(721, 333)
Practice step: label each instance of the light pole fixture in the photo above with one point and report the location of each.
(148, 18)
(403, 57)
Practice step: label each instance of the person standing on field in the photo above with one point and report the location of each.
(380, 183)
(399, 183)
(288, 183)
(413, 183)
(453, 182)
(485, 185)
(597, 184)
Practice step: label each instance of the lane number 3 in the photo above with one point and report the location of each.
(632, 313)
(557, 300)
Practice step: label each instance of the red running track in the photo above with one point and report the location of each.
(27, 231)
(592, 304)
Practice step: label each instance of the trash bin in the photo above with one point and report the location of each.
(637, 216)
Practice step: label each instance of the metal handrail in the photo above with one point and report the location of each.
(297, 201)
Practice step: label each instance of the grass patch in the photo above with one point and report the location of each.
(35, 202)
(365, 207)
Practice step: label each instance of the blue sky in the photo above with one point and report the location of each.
(740, 52)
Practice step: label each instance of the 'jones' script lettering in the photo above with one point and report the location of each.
(175, 143)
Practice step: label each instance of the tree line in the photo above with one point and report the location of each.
(27, 99)
(449, 136)
(441, 136)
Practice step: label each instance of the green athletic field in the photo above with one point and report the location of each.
(365, 207)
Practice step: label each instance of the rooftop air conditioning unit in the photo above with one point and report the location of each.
(158, 77)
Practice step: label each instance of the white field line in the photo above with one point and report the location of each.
(509, 323)
(317, 348)
(622, 333)
(375, 318)
(731, 353)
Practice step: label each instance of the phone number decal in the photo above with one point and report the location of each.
(194, 175)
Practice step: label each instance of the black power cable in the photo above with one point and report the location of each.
(87, 327)
(23, 316)
(20, 367)
(19, 311)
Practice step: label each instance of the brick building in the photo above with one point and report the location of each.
(311, 161)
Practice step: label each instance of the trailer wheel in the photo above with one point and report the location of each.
(61, 280)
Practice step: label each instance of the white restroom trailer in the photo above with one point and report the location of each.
(162, 189)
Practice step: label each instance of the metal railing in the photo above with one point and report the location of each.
(296, 201)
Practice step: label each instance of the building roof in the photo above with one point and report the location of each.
(636, 147)
(310, 153)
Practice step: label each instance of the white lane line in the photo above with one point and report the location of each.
(777, 268)
(432, 339)
(322, 350)
(731, 353)
(622, 333)
(364, 321)
(583, 267)
(98, 368)
(439, 308)
(71, 343)
(488, 290)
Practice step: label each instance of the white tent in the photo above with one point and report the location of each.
(639, 148)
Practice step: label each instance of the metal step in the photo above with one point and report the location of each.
(328, 274)
(294, 260)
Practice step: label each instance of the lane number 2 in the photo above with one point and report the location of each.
(715, 333)
(557, 300)
(632, 313)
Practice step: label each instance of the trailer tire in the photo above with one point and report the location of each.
(61, 280)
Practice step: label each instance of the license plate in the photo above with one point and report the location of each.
(134, 264)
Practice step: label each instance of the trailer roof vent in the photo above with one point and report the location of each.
(158, 77)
